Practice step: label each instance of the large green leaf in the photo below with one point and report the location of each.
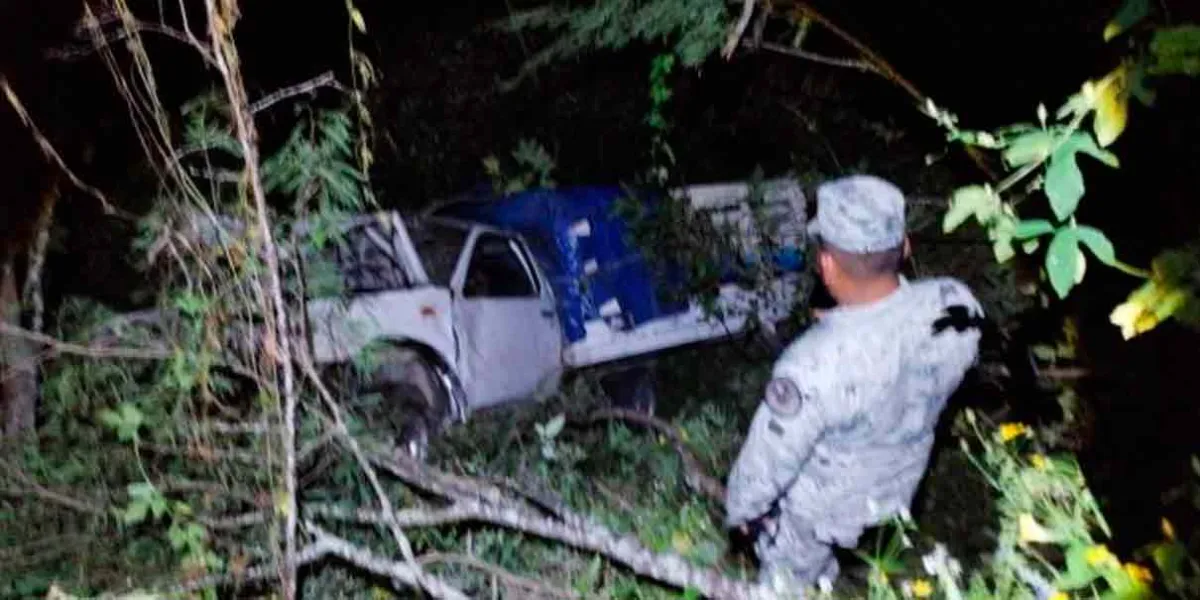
(1027, 148)
(1098, 243)
(1080, 141)
(1062, 261)
(1064, 183)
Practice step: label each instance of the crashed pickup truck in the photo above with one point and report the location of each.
(486, 302)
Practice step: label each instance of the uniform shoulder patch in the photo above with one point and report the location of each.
(783, 397)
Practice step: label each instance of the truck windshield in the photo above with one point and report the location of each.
(439, 246)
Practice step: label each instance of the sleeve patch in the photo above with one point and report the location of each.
(783, 397)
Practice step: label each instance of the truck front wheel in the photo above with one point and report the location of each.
(410, 404)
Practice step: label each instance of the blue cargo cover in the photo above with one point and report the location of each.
(586, 252)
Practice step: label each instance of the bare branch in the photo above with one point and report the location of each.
(62, 347)
(511, 579)
(277, 345)
(845, 63)
(325, 79)
(309, 370)
(131, 26)
(48, 149)
(395, 570)
(486, 503)
(739, 29)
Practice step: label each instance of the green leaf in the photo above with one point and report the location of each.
(1098, 243)
(1062, 258)
(1030, 246)
(1079, 574)
(1028, 148)
(1130, 13)
(1080, 141)
(135, 512)
(966, 202)
(1064, 183)
(1032, 228)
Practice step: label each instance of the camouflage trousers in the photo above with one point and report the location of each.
(792, 556)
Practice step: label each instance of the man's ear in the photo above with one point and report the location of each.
(826, 264)
(907, 248)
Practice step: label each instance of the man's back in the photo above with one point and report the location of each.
(883, 371)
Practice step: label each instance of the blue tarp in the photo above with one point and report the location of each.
(585, 251)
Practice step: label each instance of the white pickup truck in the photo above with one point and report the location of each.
(461, 315)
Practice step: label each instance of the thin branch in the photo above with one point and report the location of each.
(835, 61)
(400, 571)
(309, 370)
(510, 578)
(48, 149)
(739, 29)
(130, 27)
(325, 79)
(278, 344)
(887, 71)
(61, 347)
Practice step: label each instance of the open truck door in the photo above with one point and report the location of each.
(510, 341)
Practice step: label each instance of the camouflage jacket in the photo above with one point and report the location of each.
(844, 433)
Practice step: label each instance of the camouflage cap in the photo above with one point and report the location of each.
(859, 214)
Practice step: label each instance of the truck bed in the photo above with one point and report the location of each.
(604, 342)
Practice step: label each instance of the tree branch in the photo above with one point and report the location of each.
(48, 149)
(325, 79)
(130, 27)
(485, 503)
(395, 570)
(510, 578)
(62, 347)
(739, 29)
(221, 20)
(845, 63)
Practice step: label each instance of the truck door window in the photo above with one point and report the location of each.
(497, 270)
(439, 247)
(366, 261)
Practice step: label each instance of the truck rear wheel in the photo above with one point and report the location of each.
(412, 406)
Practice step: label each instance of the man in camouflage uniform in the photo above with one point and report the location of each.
(846, 426)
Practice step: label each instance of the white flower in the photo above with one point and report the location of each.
(872, 508)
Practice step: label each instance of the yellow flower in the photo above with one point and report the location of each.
(1059, 596)
(1038, 461)
(1139, 573)
(1099, 555)
(922, 588)
(1168, 529)
(1029, 530)
(1008, 431)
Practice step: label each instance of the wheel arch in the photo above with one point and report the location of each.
(447, 378)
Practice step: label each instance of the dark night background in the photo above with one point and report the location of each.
(439, 114)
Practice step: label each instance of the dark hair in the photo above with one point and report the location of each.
(867, 265)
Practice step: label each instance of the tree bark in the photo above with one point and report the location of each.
(18, 362)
